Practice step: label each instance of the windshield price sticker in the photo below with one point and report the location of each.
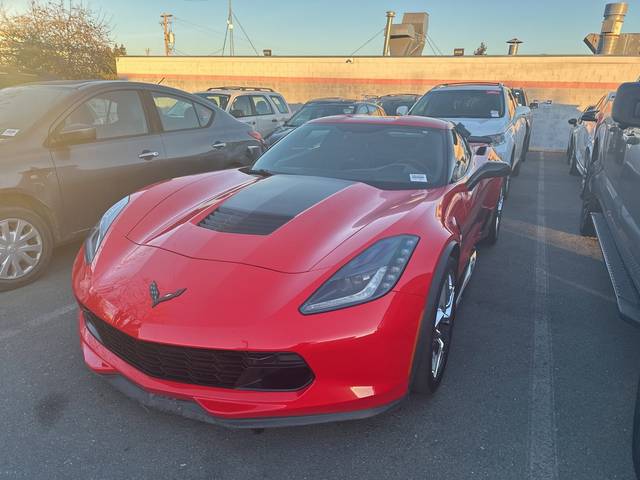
(418, 177)
(10, 132)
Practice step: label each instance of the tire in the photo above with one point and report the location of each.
(516, 168)
(573, 166)
(586, 222)
(37, 245)
(525, 148)
(569, 152)
(496, 220)
(438, 335)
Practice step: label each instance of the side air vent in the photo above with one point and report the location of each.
(230, 220)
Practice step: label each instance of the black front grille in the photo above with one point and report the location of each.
(231, 220)
(200, 366)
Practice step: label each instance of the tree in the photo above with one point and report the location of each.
(50, 39)
(481, 50)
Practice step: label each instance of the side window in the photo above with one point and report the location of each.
(242, 107)
(362, 109)
(280, 104)
(461, 157)
(113, 114)
(261, 105)
(204, 115)
(511, 104)
(175, 113)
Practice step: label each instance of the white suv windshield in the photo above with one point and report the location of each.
(461, 104)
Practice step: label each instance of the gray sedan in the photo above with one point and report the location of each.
(69, 150)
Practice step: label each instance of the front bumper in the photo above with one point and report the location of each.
(355, 378)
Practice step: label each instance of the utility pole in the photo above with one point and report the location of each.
(230, 28)
(169, 38)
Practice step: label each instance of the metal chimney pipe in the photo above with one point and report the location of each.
(387, 33)
(614, 14)
(514, 44)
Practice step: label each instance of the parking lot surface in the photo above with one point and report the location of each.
(540, 383)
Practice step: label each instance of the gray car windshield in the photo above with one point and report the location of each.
(311, 112)
(389, 157)
(461, 104)
(21, 107)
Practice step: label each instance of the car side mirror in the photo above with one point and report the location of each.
(490, 169)
(402, 110)
(533, 105)
(573, 121)
(237, 113)
(522, 111)
(626, 106)
(75, 134)
(589, 116)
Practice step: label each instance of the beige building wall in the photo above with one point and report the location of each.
(575, 80)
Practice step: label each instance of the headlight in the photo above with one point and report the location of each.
(370, 275)
(497, 139)
(96, 236)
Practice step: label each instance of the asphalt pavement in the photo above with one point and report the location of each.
(540, 383)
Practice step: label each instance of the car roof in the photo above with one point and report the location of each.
(334, 100)
(401, 95)
(403, 121)
(470, 86)
(90, 84)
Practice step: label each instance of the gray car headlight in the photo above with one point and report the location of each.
(369, 276)
(96, 236)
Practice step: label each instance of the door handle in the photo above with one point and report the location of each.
(218, 145)
(148, 155)
(274, 120)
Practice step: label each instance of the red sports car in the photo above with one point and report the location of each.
(319, 285)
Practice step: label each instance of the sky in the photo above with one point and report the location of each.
(340, 27)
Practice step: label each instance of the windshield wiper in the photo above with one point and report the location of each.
(260, 171)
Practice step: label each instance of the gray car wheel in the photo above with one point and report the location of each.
(26, 245)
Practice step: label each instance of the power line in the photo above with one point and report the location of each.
(196, 25)
(435, 45)
(245, 34)
(367, 42)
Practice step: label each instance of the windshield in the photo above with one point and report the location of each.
(460, 104)
(388, 157)
(310, 112)
(391, 106)
(219, 99)
(21, 107)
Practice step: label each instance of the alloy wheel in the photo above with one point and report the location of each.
(442, 326)
(499, 207)
(21, 248)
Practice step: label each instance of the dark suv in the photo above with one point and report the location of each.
(611, 197)
(323, 107)
(69, 150)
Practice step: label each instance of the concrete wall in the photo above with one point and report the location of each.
(575, 80)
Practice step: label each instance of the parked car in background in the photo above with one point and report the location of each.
(397, 103)
(611, 198)
(582, 134)
(259, 107)
(522, 99)
(485, 109)
(324, 107)
(384, 215)
(69, 150)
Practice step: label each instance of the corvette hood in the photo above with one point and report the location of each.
(286, 223)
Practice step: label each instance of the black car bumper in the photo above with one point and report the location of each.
(193, 411)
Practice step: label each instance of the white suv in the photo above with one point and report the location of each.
(262, 108)
(485, 109)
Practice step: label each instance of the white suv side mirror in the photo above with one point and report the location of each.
(522, 111)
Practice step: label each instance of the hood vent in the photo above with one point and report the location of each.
(230, 220)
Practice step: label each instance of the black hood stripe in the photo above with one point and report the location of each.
(266, 205)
